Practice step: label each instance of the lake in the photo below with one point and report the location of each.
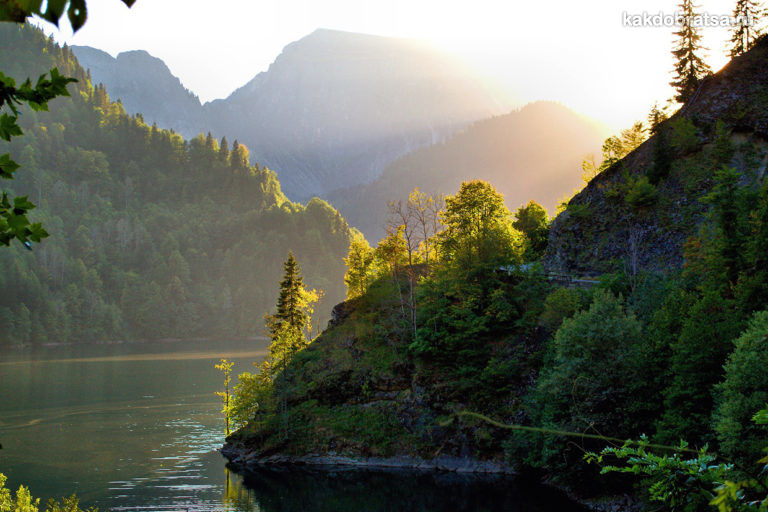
(136, 427)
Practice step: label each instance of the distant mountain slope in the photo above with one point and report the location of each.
(152, 236)
(333, 110)
(531, 153)
(619, 220)
(145, 86)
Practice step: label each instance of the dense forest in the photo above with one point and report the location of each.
(152, 236)
(455, 342)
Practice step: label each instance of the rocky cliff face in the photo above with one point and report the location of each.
(333, 110)
(726, 123)
(145, 85)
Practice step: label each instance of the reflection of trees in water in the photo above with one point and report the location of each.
(236, 496)
(301, 490)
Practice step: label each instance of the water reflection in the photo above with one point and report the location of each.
(302, 490)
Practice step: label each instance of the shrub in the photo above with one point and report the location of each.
(641, 193)
(685, 135)
(562, 303)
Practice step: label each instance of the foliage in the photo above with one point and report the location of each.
(588, 386)
(560, 304)
(690, 67)
(641, 193)
(225, 367)
(743, 391)
(360, 262)
(478, 229)
(23, 501)
(152, 236)
(684, 136)
(14, 223)
(253, 394)
(20, 10)
(746, 31)
(681, 484)
(532, 220)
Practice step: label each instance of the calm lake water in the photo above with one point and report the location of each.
(136, 427)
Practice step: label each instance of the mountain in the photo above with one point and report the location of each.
(619, 218)
(145, 85)
(531, 153)
(152, 236)
(333, 110)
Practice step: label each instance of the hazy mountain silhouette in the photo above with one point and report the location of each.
(531, 153)
(333, 110)
(145, 85)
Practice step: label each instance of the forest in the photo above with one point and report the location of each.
(152, 236)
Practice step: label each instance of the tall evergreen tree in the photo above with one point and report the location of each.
(745, 31)
(291, 314)
(224, 150)
(690, 67)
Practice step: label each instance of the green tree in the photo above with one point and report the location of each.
(360, 262)
(744, 390)
(533, 221)
(690, 67)
(589, 386)
(478, 229)
(225, 367)
(746, 30)
(294, 303)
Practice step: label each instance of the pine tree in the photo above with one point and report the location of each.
(291, 312)
(224, 150)
(745, 31)
(690, 67)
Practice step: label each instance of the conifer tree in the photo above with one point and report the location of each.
(224, 150)
(690, 67)
(745, 31)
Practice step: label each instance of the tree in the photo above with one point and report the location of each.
(226, 368)
(294, 308)
(425, 209)
(533, 221)
(655, 117)
(360, 262)
(690, 67)
(745, 31)
(744, 390)
(478, 229)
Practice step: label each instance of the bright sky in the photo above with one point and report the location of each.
(578, 53)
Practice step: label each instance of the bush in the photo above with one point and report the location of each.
(562, 303)
(641, 193)
(685, 135)
(744, 390)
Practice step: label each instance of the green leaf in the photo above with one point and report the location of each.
(8, 127)
(7, 166)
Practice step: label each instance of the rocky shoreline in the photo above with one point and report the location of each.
(243, 460)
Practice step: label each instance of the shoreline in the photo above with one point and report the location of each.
(244, 461)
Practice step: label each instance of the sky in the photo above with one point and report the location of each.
(580, 54)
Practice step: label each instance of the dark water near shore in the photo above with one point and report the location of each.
(136, 427)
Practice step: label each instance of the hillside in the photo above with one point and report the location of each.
(333, 109)
(145, 86)
(724, 124)
(152, 236)
(531, 153)
(465, 355)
